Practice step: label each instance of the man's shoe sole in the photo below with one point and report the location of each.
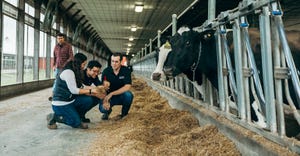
(51, 126)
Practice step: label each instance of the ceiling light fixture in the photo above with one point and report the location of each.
(130, 38)
(138, 8)
(129, 44)
(133, 28)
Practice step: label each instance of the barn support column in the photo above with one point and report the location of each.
(37, 7)
(20, 42)
(1, 40)
(48, 56)
(267, 68)
(174, 24)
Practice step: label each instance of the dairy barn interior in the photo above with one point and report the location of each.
(171, 114)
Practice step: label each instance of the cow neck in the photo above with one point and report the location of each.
(195, 64)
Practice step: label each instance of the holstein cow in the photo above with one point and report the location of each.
(194, 54)
(163, 51)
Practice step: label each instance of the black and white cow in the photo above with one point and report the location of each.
(163, 51)
(158, 74)
(186, 57)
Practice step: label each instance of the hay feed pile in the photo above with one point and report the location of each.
(152, 127)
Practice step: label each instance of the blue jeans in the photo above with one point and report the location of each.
(71, 113)
(124, 99)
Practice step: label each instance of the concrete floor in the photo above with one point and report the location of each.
(23, 129)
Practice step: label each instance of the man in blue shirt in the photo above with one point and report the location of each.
(118, 93)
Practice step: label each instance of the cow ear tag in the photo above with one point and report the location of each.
(167, 45)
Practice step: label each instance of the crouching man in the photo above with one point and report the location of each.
(119, 78)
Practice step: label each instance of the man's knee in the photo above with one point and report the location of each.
(128, 96)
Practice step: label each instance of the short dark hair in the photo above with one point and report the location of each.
(94, 63)
(118, 54)
(61, 35)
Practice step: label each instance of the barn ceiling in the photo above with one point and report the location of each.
(112, 19)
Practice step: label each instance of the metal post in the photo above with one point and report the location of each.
(267, 68)
(289, 58)
(211, 10)
(174, 24)
(158, 38)
(220, 71)
(176, 83)
(238, 69)
(187, 84)
(278, 82)
(150, 45)
(211, 15)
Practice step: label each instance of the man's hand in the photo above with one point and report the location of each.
(106, 105)
(106, 84)
(99, 92)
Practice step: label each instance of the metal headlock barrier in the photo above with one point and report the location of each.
(266, 90)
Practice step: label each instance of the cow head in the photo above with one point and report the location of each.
(162, 53)
(184, 53)
(187, 57)
(158, 74)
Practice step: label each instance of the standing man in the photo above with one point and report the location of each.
(62, 54)
(118, 93)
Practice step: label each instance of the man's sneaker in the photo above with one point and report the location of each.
(51, 123)
(85, 120)
(83, 126)
(105, 116)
